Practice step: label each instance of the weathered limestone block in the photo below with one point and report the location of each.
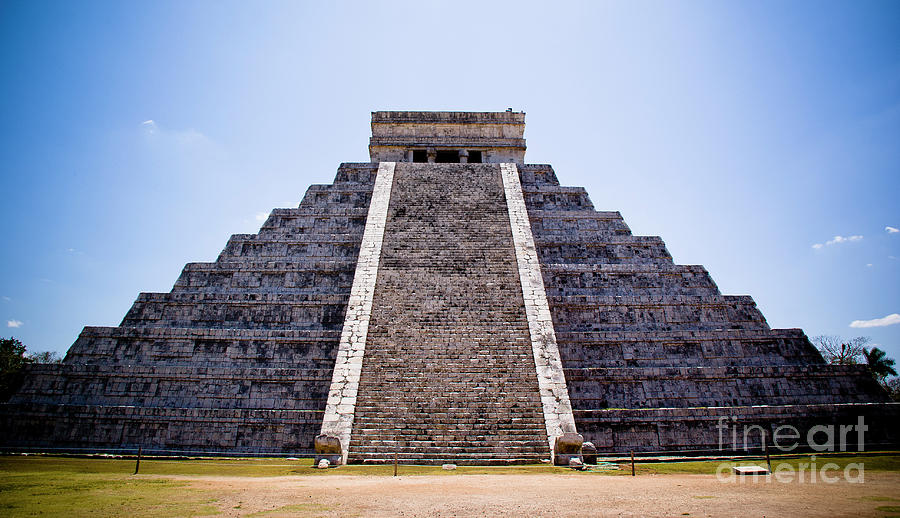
(567, 447)
(340, 408)
(589, 453)
(551, 377)
(328, 449)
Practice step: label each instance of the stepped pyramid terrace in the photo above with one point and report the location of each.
(445, 302)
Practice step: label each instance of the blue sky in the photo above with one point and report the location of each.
(137, 136)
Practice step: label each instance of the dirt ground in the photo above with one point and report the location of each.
(549, 495)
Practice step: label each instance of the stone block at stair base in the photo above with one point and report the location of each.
(750, 470)
(589, 453)
(567, 447)
(328, 448)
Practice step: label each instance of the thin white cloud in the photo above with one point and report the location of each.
(841, 239)
(836, 241)
(14, 323)
(869, 265)
(149, 126)
(262, 216)
(160, 134)
(893, 318)
(6, 299)
(892, 230)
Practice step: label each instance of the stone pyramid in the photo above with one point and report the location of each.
(445, 302)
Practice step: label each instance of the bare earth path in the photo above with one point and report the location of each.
(548, 495)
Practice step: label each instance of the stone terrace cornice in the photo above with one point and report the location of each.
(452, 141)
(449, 117)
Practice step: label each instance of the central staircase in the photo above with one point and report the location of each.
(448, 374)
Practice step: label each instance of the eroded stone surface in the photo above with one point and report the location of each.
(341, 405)
(589, 453)
(496, 136)
(240, 356)
(448, 374)
(558, 416)
(567, 450)
(654, 354)
(237, 358)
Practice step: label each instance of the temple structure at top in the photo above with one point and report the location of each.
(448, 137)
(445, 302)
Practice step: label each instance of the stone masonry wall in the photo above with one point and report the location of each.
(638, 332)
(237, 357)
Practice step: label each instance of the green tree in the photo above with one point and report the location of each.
(893, 387)
(879, 364)
(12, 361)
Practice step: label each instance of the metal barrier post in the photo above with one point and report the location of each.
(137, 464)
(395, 463)
(632, 463)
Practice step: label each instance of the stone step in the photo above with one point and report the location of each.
(460, 460)
(442, 399)
(462, 440)
(442, 451)
(387, 416)
(448, 366)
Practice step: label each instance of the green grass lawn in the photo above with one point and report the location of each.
(38, 485)
(39, 492)
(238, 467)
